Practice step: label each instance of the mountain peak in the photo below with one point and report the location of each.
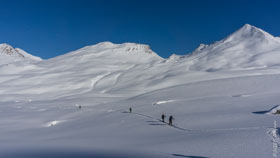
(248, 47)
(249, 31)
(118, 48)
(8, 50)
(108, 51)
(248, 26)
(105, 44)
(134, 47)
(14, 54)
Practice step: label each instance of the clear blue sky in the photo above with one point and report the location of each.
(48, 28)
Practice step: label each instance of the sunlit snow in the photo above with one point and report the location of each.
(223, 97)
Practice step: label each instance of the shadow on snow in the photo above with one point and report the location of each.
(264, 112)
(188, 156)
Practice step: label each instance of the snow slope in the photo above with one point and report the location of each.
(214, 118)
(221, 97)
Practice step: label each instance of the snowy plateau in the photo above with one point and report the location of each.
(223, 97)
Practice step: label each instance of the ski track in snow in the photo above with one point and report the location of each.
(96, 79)
(176, 126)
(116, 77)
(123, 73)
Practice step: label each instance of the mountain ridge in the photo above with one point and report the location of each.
(248, 46)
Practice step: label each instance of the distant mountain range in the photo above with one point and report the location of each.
(129, 69)
(248, 47)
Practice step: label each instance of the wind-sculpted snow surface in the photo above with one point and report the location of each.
(77, 105)
(205, 114)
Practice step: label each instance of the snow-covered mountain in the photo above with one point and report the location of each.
(224, 94)
(107, 68)
(98, 68)
(8, 54)
(111, 53)
(249, 47)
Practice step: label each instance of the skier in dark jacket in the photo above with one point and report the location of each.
(162, 117)
(170, 120)
(130, 110)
